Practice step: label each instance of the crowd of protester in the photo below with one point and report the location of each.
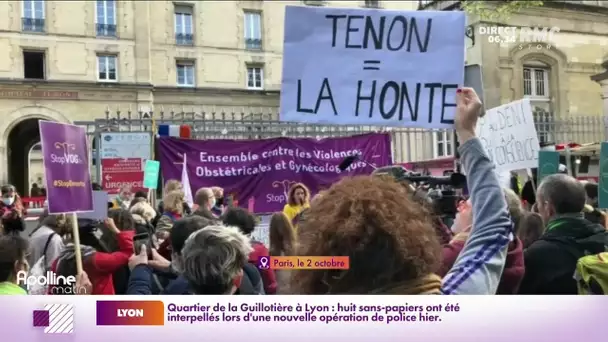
(502, 241)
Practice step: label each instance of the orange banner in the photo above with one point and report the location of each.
(309, 263)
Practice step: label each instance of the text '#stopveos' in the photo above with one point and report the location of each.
(67, 184)
(393, 99)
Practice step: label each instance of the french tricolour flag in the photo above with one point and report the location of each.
(177, 131)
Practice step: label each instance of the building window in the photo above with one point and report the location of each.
(106, 18)
(253, 30)
(442, 144)
(183, 25)
(33, 65)
(106, 68)
(33, 16)
(372, 3)
(314, 2)
(536, 87)
(255, 78)
(185, 73)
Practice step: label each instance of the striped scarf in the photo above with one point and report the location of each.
(66, 263)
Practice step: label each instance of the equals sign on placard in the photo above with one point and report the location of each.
(371, 65)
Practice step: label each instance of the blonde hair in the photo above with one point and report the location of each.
(144, 210)
(217, 191)
(516, 210)
(174, 201)
(515, 207)
(172, 185)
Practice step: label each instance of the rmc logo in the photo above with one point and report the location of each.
(67, 155)
(525, 37)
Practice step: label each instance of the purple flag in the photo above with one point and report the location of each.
(66, 167)
(265, 169)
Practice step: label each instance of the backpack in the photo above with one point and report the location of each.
(39, 269)
(592, 274)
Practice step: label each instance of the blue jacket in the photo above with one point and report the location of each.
(141, 283)
(479, 266)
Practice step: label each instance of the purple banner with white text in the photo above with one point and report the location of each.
(66, 167)
(262, 171)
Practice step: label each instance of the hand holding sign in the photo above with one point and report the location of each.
(468, 107)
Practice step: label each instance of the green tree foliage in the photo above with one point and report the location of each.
(497, 10)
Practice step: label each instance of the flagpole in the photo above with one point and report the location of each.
(186, 184)
(152, 194)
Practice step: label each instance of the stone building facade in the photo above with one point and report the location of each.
(71, 61)
(556, 75)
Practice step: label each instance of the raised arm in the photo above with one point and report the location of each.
(479, 266)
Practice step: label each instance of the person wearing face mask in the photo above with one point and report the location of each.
(298, 199)
(205, 201)
(13, 259)
(12, 211)
(123, 199)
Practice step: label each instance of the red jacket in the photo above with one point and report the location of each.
(101, 266)
(514, 266)
(268, 277)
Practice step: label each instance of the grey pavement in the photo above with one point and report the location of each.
(31, 221)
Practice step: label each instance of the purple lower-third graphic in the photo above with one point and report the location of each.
(41, 318)
(55, 319)
(263, 262)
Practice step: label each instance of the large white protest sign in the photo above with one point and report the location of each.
(509, 136)
(372, 67)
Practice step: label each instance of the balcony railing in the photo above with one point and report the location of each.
(253, 44)
(184, 39)
(106, 30)
(372, 4)
(314, 2)
(436, 5)
(32, 24)
(579, 129)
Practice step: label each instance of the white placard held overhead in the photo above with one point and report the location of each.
(372, 67)
(509, 136)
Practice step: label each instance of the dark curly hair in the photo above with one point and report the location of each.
(240, 218)
(388, 237)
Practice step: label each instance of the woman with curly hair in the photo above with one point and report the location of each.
(390, 240)
(298, 199)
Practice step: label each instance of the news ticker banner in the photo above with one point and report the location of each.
(303, 318)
